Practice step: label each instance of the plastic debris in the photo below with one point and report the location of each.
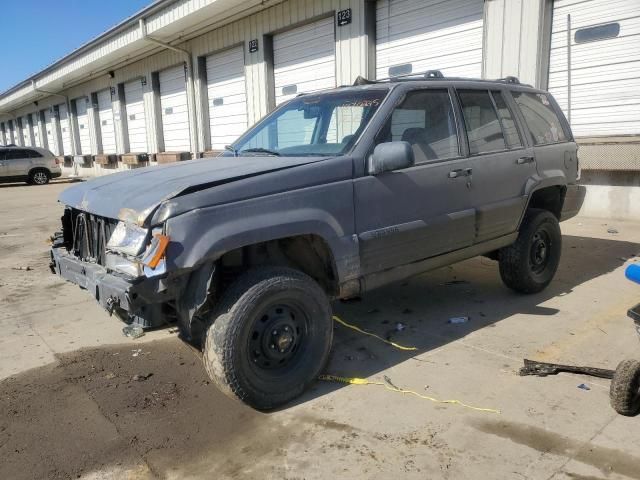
(456, 320)
(26, 269)
(135, 353)
(133, 331)
(400, 326)
(612, 230)
(583, 386)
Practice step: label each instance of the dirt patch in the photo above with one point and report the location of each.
(118, 407)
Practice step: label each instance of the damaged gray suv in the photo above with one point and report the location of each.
(330, 196)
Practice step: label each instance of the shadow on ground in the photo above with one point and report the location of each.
(150, 408)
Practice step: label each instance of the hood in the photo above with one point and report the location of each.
(133, 195)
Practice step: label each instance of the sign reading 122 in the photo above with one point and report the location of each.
(344, 17)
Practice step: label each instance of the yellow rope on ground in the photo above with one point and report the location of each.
(358, 329)
(392, 388)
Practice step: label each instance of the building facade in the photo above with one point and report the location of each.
(183, 78)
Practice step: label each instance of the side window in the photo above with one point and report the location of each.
(509, 128)
(542, 120)
(33, 154)
(426, 120)
(15, 154)
(481, 120)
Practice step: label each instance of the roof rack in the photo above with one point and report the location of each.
(429, 75)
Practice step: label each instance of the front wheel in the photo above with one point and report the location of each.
(269, 338)
(39, 177)
(530, 264)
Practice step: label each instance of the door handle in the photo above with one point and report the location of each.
(524, 160)
(460, 172)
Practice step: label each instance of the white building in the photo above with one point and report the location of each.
(183, 78)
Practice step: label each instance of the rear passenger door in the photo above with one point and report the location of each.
(502, 162)
(17, 162)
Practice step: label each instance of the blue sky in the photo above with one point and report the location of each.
(36, 33)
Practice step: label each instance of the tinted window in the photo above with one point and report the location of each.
(542, 120)
(480, 118)
(425, 119)
(509, 128)
(599, 32)
(33, 154)
(16, 154)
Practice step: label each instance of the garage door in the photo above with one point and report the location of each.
(3, 137)
(36, 130)
(175, 115)
(65, 129)
(604, 74)
(227, 97)
(136, 120)
(414, 36)
(50, 132)
(304, 59)
(83, 125)
(26, 138)
(105, 117)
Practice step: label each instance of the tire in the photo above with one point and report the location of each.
(39, 176)
(530, 264)
(625, 388)
(269, 338)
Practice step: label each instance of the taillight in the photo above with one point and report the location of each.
(57, 160)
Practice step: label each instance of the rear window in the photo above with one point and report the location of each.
(543, 122)
(33, 154)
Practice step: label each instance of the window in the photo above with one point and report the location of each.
(313, 125)
(425, 119)
(509, 128)
(15, 154)
(542, 120)
(481, 120)
(599, 32)
(32, 154)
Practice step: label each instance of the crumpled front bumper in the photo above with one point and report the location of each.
(135, 301)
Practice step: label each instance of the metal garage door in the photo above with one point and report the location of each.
(26, 138)
(418, 35)
(36, 130)
(600, 92)
(105, 117)
(227, 97)
(175, 115)
(51, 136)
(304, 59)
(83, 125)
(65, 129)
(136, 120)
(3, 137)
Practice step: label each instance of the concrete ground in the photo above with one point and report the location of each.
(78, 399)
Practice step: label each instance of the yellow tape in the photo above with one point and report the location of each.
(358, 329)
(364, 381)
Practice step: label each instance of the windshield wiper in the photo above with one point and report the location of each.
(231, 149)
(260, 150)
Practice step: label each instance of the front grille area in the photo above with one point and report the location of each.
(86, 235)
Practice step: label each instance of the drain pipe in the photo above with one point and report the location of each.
(67, 102)
(190, 86)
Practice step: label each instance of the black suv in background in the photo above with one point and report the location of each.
(333, 194)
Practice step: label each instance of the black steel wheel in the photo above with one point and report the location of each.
(269, 338)
(530, 264)
(625, 388)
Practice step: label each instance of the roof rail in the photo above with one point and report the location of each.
(510, 79)
(430, 75)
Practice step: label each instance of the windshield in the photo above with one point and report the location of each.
(314, 125)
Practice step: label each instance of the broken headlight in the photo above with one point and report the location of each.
(118, 263)
(128, 238)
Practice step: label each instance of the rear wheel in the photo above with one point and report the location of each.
(625, 388)
(530, 264)
(270, 337)
(39, 176)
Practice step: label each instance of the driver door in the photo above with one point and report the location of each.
(423, 211)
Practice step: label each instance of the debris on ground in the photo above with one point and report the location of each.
(136, 352)
(456, 282)
(141, 378)
(457, 320)
(133, 331)
(26, 268)
(612, 231)
(400, 326)
(542, 369)
(583, 386)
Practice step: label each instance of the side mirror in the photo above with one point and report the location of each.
(391, 156)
